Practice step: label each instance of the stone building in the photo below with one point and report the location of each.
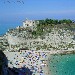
(30, 23)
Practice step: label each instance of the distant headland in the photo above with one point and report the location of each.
(45, 34)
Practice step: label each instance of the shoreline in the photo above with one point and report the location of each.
(47, 51)
(41, 59)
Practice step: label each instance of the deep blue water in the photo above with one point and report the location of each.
(62, 65)
(5, 27)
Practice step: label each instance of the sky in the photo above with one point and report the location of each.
(15, 11)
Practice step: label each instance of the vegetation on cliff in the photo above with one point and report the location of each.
(49, 34)
(45, 26)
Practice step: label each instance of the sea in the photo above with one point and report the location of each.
(62, 64)
(4, 27)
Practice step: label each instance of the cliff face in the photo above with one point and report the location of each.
(3, 63)
(49, 35)
(57, 39)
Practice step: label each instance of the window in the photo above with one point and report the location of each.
(33, 22)
(27, 24)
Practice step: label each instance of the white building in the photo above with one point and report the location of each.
(30, 23)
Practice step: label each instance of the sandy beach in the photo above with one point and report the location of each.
(36, 61)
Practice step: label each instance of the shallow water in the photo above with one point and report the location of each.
(62, 64)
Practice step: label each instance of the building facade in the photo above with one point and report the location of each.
(30, 23)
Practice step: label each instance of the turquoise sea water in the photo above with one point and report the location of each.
(62, 64)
